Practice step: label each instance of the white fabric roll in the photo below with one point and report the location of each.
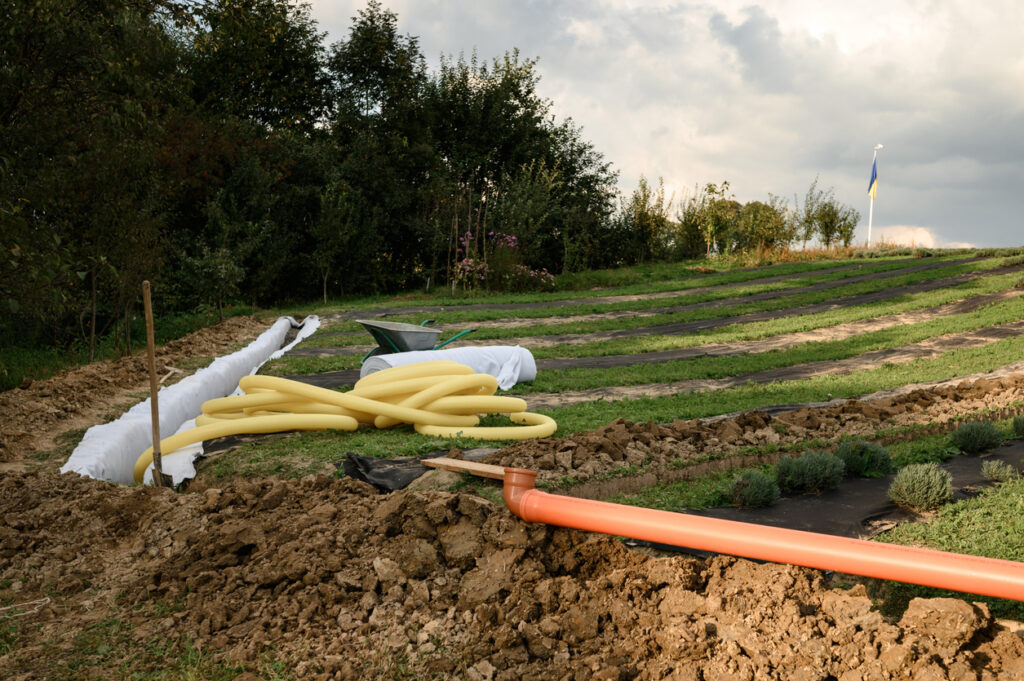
(109, 451)
(510, 364)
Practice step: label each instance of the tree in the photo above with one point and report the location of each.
(645, 222)
(716, 214)
(83, 97)
(376, 70)
(836, 222)
(335, 230)
(805, 218)
(763, 226)
(262, 60)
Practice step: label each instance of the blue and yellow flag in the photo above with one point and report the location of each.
(873, 185)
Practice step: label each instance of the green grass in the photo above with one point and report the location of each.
(302, 366)
(298, 454)
(589, 415)
(560, 380)
(989, 525)
(760, 330)
(309, 452)
(467, 317)
(736, 332)
(707, 492)
(651, 278)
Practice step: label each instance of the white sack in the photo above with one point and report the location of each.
(510, 364)
(109, 451)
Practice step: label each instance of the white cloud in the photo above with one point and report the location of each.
(912, 235)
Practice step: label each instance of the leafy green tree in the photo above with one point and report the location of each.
(716, 214)
(335, 231)
(524, 206)
(688, 239)
(217, 276)
(84, 94)
(376, 70)
(645, 221)
(763, 226)
(585, 203)
(836, 222)
(261, 60)
(805, 217)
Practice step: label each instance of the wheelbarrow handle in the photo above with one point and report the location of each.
(457, 336)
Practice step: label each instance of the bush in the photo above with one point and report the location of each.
(922, 487)
(972, 438)
(754, 489)
(1018, 425)
(865, 459)
(812, 472)
(999, 471)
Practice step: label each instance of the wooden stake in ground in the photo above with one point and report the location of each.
(158, 472)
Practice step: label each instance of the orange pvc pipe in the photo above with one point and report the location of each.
(973, 574)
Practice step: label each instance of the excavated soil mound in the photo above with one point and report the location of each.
(347, 584)
(680, 449)
(84, 396)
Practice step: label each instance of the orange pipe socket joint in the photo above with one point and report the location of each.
(985, 576)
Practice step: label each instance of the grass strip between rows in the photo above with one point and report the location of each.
(704, 294)
(734, 332)
(695, 314)
(590, 415)
(560, 380)
(652, 278)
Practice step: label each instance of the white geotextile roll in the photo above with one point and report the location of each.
(510, 364)
(109, 451)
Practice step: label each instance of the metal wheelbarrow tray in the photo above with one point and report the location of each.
(394, 337)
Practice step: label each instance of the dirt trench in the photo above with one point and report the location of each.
(32, 416)
(344, 583)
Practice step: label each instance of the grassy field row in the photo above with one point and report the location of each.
(559, 380)
(725, 334)
(671, 297)
(641, 279)
(694, 313)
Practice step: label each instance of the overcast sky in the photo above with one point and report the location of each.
(769, 96)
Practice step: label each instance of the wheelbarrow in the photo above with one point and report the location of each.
(394, 337)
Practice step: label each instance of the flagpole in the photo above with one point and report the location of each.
(871, 210)
(871, 207)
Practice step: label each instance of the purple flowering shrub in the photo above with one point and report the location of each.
(498, 266)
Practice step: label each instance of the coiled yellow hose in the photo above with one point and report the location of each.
(442, 399)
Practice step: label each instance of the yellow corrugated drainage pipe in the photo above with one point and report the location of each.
(441, 398)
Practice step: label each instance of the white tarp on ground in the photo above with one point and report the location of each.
(109, 451)
(510, 364)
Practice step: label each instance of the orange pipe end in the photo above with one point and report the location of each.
(518, 481)
(958, 572)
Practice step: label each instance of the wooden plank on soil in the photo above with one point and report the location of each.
(483, 470)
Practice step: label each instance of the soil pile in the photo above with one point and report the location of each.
(86, 395)
(348, 584)
(684, 443)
